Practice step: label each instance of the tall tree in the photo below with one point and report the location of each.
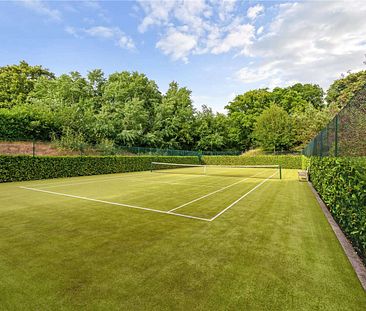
(174, 118)
(274, 129)
(17, 81)
(210, 130)
(342, 90)
(122, 87)
(243, 112)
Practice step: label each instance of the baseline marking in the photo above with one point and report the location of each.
(114, 203)
(242, 197)
(216, 191)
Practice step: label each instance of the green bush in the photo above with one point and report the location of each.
(286, 161)
(23, 123)
(18, 168)
(305, 162)
(341, 182)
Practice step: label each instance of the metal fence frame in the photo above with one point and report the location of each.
(345, 134)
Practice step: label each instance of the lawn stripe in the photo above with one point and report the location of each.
(242, 197)
(113, 203)
(216, 191)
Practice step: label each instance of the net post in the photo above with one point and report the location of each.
(280, 171)
(151, 166)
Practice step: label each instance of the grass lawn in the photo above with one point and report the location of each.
(110, 243)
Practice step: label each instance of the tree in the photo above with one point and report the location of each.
(311, 93)
(342, 90)
(274, 129)
(210, 130)
(243, 112)
(122, 87)
(17, 81)
(309, 123)
(174, 118)
(68, 100)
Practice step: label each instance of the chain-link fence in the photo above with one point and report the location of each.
(345, 135)
(41, 148)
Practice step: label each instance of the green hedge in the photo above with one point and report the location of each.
(341, 182)
(305, 162)
(286, 161)
(18, 168)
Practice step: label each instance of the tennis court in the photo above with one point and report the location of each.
(200, 192)
(176, 238)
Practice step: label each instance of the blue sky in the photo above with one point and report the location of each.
(218, 49)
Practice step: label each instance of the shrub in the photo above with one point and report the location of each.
(305, 162)
(18, 168)
(286, 161)
(341, 183)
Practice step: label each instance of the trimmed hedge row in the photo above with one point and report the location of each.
(341, 182)
(19, 168)
(286, 161)
(305, 162)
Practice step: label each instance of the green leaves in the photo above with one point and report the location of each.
(286, 161)
(18, 168)
(274, 129)
(341, 182)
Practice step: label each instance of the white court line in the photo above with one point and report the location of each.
(150, 209)
(216, 191)
(114, 203)
(55, 185)
(242, 197)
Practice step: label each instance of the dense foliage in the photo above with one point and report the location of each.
(274, 129)
(286, 161)
(127, 108)
(341, 182)
(342, 90)
(18, 168)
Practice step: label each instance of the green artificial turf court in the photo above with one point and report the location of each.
(174, 239)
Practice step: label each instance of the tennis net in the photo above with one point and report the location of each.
(253, 171)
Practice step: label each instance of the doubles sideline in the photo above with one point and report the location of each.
(150, 209)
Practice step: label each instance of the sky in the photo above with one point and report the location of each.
(217, 49)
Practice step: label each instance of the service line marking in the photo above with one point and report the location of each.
(216, 191)
(114, 203)
(150, 209)
(242, 197)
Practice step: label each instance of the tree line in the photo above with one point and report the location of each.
(128, 109)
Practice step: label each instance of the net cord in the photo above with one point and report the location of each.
(224, 166)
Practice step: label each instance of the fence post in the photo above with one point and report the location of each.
(321, 143)
(33, 148)
(336, 137)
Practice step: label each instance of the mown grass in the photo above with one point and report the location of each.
(274, 250)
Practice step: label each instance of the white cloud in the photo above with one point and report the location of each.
(318, 48)
(111, 33)
(42, 8)
(72, 31)
(254, 11)
(177, 44)
(102, 32)
(197, 27)
(114, 34)
(157, 12)
(237, 37)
